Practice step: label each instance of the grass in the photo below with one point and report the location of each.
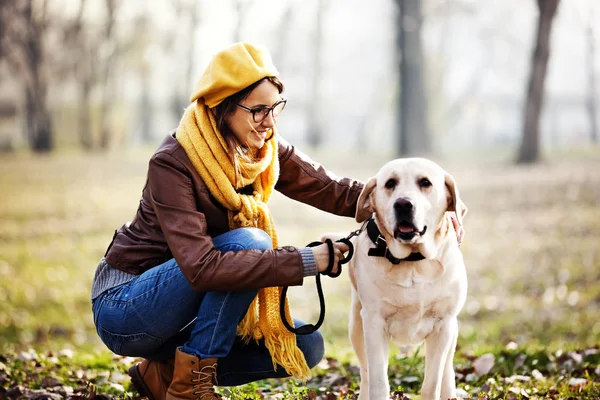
(532, 253)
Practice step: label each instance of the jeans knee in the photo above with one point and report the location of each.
(254, 238)
(314, 349)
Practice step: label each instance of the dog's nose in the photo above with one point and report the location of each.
(403, 205)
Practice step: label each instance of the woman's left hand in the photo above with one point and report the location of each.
(460, 232)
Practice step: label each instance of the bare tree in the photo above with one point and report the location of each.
(282, 34)
(110, 55)
(191, 51)
(591, 100)
(189, 11)
(4, 15)
(81, 62)
(313, 109)
(529, 151)
(145, 102)
(241, 6)
(135, 53)
(412, 107)
(24, 24)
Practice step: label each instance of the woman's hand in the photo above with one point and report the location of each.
(460, 232)
(321, 253)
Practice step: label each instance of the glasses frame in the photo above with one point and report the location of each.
(271, 109)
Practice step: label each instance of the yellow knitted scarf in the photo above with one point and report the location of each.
(208, 151)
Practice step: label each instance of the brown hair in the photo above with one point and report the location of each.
(227, 107)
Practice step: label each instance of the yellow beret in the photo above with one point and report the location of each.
(231, 70)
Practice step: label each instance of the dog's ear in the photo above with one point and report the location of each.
(364, 208)
(454, 201)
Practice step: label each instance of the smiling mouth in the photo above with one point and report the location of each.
(407, 231)
(261, 134)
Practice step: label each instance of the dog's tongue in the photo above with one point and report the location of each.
(406, 228)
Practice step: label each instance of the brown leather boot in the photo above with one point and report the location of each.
(152, 378)
(193, 378)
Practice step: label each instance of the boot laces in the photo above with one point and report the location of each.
(207, 379)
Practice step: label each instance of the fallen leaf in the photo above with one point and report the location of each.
(484, 364)
(50, 381)
(117, 386)
(29, 355)
(537, 375)
(512, 345)
(517, 378)
(577, 381)
(67, 353)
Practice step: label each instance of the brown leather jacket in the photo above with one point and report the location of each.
(177, 217)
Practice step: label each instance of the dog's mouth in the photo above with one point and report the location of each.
(407, 231)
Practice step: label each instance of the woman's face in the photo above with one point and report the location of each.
(252, 134)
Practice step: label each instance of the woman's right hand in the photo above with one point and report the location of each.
(321, 253)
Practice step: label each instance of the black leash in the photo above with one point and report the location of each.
(310, 328)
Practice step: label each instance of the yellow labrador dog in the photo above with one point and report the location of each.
(408, 276)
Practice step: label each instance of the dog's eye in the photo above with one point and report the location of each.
(424, 183)
(390, 184)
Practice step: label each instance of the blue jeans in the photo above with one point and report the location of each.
(158, 311)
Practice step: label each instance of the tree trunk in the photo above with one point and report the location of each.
(84, 73)
(181, 92)
(39, 127)
(530, 144)
(146, 107)
(412, 107)
(591, 101)
(313, 109)
(241, 8)
(282, 33)
(105, 79)
(84, 119)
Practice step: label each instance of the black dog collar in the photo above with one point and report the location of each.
(382, 249)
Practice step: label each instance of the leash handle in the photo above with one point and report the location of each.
(330, 264)
(310, 328)
(343, 260)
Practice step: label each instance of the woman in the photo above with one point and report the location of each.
(192, 283)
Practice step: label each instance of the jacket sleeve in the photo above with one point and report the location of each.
(304, 180)
(185, 230)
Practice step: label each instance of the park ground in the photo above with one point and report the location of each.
(530, 327)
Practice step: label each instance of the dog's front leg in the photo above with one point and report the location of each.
(437, 352)
(357, 338)
(377, 346)
(448, 379)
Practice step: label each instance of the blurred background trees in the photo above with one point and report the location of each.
(592, 86)
(83, 80)
(22, 45)
(530, 143)
(412, 102)
(415, 76)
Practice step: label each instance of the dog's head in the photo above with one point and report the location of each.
(410, 197)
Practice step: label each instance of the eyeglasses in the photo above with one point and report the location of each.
(259, 114)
